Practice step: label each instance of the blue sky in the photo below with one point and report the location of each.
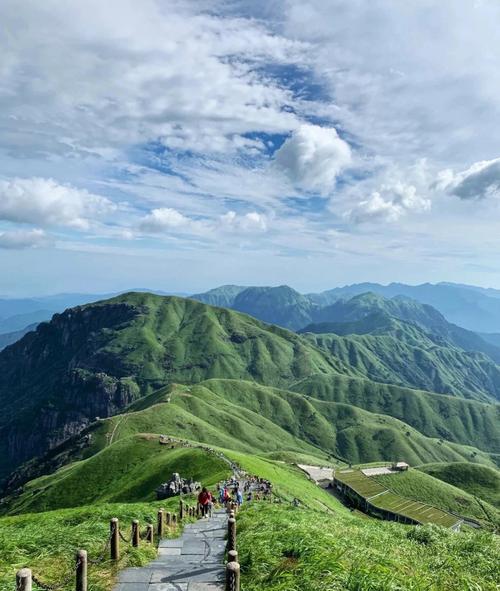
(179, 145)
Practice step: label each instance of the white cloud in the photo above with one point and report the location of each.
(389, 204)
(20, 239)
(313, 156)
(123, 74)
(162, 219)
(47, 203)
(249, 222)
(479, 181)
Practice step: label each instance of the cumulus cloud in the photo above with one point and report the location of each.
(389, 204)
(480, 181)
(20, 239)
(45, 202)
(162, 219)
(249, 222)
(313, 156)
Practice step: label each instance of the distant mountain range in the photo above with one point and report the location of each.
(471, 307)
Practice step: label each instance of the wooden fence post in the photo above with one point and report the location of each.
(23, 580)
(232, 576)
(160, 522)
(174, 520)
(232, 556)
(150, 533)
(231, 534)
(81, 570)
(169, 519)
(115, 539)
(135, 533)
(181, 510)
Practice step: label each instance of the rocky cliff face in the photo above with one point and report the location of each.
(52, 385)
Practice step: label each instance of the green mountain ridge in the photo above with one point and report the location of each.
(241, 416)
(95, 360)
(388, 350)
(101, 359)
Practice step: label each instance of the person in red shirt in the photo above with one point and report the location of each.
(205, 501)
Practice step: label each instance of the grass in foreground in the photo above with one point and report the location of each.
(291, 549)
(47, 543)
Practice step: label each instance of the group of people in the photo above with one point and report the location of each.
(233, 491)
(230, 492)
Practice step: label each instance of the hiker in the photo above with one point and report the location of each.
(204, 501)
(238, 497)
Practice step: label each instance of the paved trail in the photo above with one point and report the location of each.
(193, 562)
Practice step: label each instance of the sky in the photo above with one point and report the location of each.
(179, 145)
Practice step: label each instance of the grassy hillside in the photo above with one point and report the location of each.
(481, 481)
(95, 360)
(127, 471)
(223, 296)
(358, 307)
(388, 350)
(438, 416)
(47, 542)
(289, 482)
(420, 486)
(284, 548)
(250, 418)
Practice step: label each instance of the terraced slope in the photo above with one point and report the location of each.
(380, 497)
(420, 486)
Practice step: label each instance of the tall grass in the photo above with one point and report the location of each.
(292, 549)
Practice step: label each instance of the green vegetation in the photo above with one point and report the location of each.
(420, 486)
(47, 542)
(446, 418)
(381, 497)
(128, 471)
(481, 481)
(251, 418)
(265, 398)
(96, 359)
(287, 548)
(100, 358)
(388, 350)
(289, 482)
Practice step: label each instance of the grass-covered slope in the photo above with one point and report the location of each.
(423, 487)
(250, 418)
(285, 548)
(438, 416)
(385, 349)
(127, 471)
(96, 359)
(481, 481)
(47, 542)
(404, 308)
(280, 305)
